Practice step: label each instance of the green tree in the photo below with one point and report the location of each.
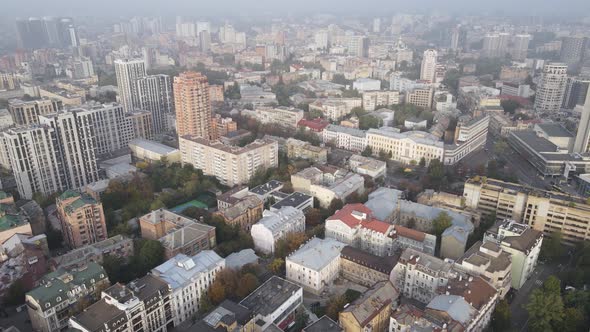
(501, 317)
(422, 162)
(545, 308)
(151, 254)
(15, 295)
(335, 305)
(369, 121)
(510, 106)
(367, 152)
(441, 222)
(552, 248)
(277, 266)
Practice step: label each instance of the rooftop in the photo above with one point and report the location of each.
(152, 146)
(294, 200)
(383, 202)
(346, 130)
(181, 269)
(358, 215)
(420, 137)
(366, 259)
(270, 296)
(365, 308)
(554, 130)
(324, 324)
(100, 313)
(317, 253)
(266, 188)
(277, 220)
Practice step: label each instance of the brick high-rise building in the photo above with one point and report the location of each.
(193, 106)
(82, 219)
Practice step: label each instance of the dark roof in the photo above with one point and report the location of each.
(265, 188)
(538, 144)
(271, 295)
(555, 130)
(243, 314)
(324, 324)
(100, 313)
(294, 200)
(381, 264)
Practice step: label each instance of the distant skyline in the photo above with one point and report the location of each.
(253, 7)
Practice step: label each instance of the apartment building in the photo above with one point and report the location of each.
(364, 268)
(371, 311)
(522, 243)
(118, 246)
(374, 99)
(141, 124)
(327, 183)
(345, 138)
(275, 225)
(551, 88)
(189, 278)
(192, 105)
(304, 150)
(420, 97)
(280, 115)
(154, 95)
(407, 146)
(470, 135)
(142, 305)
(230, 164)
(127, 72)
(178, 234)
(367, 166)
(82, 219)
(60, 294)
(491, 262)
(26, 113)
(332, 109)
(544, 211)
(244, 213)
(315, 265)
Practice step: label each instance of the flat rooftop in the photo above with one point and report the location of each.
(270, 296)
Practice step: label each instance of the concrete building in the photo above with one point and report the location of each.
(141, 123)
(274, 304)
(491, 262)
(227, 316)
(142, 305)
(188, 279)
(150, 151)
(155, 95)
(192, 105)
(59, 293)
(117, 246)
(315, 265)
(358, 46)
(324, 324)
(551, 88)
(364, 268)
(367, 166)
(366, 84)
(371, 311)
(305, 150)
(470, 136)
(407, 146)
(178, 234)
(453, 242)
(275, 225)
(421, 97)
(576, 92)
(244, 213)
(582, 142)
(373, 99)
(554, 211)
(26, 113)
(327, 183)
(573, 49)
(279, 115)
(522, 243)
(127, 72)
(231, 165)
(345, 138)
(82, 219)
(428, 67)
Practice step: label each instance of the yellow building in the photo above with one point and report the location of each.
(370, 312)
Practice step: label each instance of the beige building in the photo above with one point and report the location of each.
(82, 219)
(371, 311)
(150, 151)
(489, 261)
(420, 97)
(216, 93)
(373, 99)
(364, 268)
(230, 164)
(27, 112)
(280, 115)
(406, 147)
(142, 124)
(192, 104)
(243, 213)
(327, 183)
(305, 150)
(544, 211)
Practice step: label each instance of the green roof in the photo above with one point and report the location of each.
(83, 200)
(8, 221)
(53, 285)
(69, 194)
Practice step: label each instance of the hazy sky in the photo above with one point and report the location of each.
(241, 7)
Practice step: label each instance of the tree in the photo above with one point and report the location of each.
(422, 162)
(500, 147)
(313, 217)
(441, 222)
(248, 283)
(277, 266)
(151, 254)
(501, 317)
(510, 106)
(289, 243)
(16, 293)
(335, 205)
(217, 292)
(552, 249)
(367, 152)
(545, 308)
(369, 121)
(335, 305)
(552, 285)
(436, 170)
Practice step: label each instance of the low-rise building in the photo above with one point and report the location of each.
(522, 243)
(274, 302)
(188, 279)
(315, 265)
(324, 324)
(351, 139)
(373, 99)
(367, 166)
(228, 316)
(305, 150)
(266, 190)
(421, 97)
(237, 260)
(316, 125)
(298, 200)
(364, 268)
(244, 213)
(150, 151)
(489, 261)
(178, 234)
(332, 109)
(327, 183)
(279, 116)
(61, 293)
(118, 246)
(372, 310)
(274, 225)
(406, 147)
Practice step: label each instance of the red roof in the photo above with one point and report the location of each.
(317, 124)
(521, 100)
(410, 233)
(352, 216)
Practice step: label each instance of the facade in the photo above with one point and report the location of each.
(470, 135)
(82, 219)
(117, 246)
(327, 183)
(127, 72)
(407, 146)
(367, 166)
(573, 49)
(582, 142)
(345, 138)
(315, 264)
(428, 67)
(280, 115)
(523, 244)
(364, 268)
(371, 311)
(141, 123)
(543, 211)
(155, 95)
(150, 151)
(59, 294)
(189, 279)
(142, 305)
(178, 234)
(374, 99)
(231, 165)
(421, 97)
(304, 150)
(366, 84)
(26, 113)
(244, 213)
(551, 89)
(491, 262)
(192, 105)
(275, 225)
(453, 242)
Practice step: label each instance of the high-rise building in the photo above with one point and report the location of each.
(321, 40)
(491, 44)
(155, 95)
(27, 112)
(193, 107)
(572, 50)
(358, 46)
(35, 33)
(428, 69)
(82, 219)
(575, 92)
(520, 46)
(551, 88)
(128, 71)
(582, 142)
(205, 41)
(377, 25)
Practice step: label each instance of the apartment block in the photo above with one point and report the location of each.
(118, 246)
(491, 262)
(371, 311)
(345, 138)
(192, 104)
(364, 268)
(304, 150)
(420, 97)
(374, 99)
(27, 112)
(244, 213)
(82, 219)
(275, 225)
(231, 165)
(281, 116)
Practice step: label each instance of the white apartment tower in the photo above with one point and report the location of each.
(428, 69)
(551, 88)
(582, 143)
(155, 95)
(127, 71)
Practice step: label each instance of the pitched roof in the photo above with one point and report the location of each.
(355, 215)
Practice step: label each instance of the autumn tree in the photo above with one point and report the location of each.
(313, 217)
(289, 243)
(247, 283)
(335, 305)
(277, 266)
